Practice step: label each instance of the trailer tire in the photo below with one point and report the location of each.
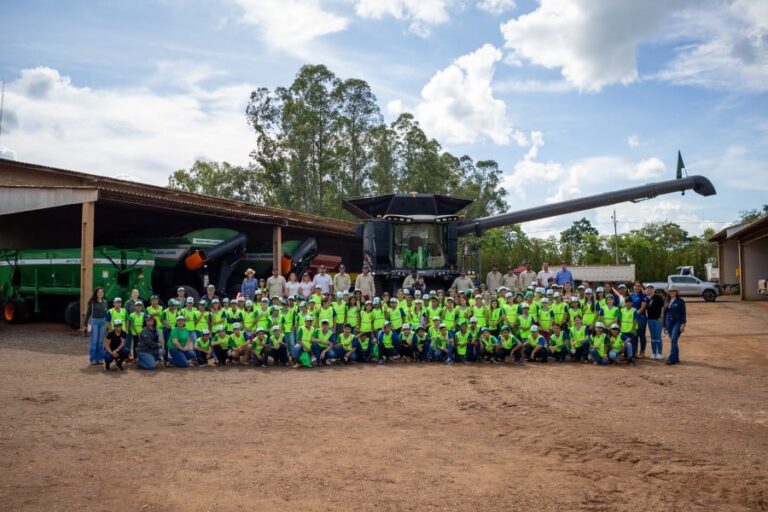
(189, 292)
(15, 311)
(72, 314)
(709, 295)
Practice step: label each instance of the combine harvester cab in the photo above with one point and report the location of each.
(45, 283)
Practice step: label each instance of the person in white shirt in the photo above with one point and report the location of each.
(527, 277)
(544, 274)
(510, 280)
(275, 284)
(493, 279)
(364, 283)
(324, 280)
(292, 287)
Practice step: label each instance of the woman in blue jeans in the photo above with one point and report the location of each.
(148, 345)
(674, 323)
(97, 326)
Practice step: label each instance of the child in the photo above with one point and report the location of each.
(388, 342)
(597, 345)
(463, 340)
(557, 347)
(442, 346)
(348, 344)
(114, 345)
(238, 345)
(579, 340)
(135, 325)
(179, 345)
(620, 343)
(220, 345)
(421, 344)
(487, 345)
(203, 348)
(406, 346)
(258, 348)
(628, 319)
(508, 344)
(536, 348)
(276, 348)
(322, 342)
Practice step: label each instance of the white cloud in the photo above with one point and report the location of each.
(496, 6)
(537, 86)
(395, 107)
(731, 52)
(528, 172)
(633, 141)
(7, 153)
(457, 104)
(421, 13)
(127, 131)
(592, 42)
(290, 24)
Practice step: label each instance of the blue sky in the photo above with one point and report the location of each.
(571, 97)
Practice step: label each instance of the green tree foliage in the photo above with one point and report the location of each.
(752, 214)
(580, 242)
(216, 179)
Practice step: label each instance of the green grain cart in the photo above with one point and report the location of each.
(46, 282)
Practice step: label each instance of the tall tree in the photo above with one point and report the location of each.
(217, 179)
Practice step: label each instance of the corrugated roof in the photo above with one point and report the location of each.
(114, 190)
(742, 230)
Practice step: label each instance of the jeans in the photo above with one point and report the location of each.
(180, 358)
(447, 354)
(96, 340)
(628, 351)
(122, 355)
(290, 339)
(147, 360)
(597, 359)
(642, 322)
(654, 326)
(674, 337)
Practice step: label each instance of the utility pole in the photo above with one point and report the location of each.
(615, 236)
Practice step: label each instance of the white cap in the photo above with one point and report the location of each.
(318, 286)
(417, 293)
(508, 295)
(376, 300)
(478, 296)
(236, 325)
(393, 299)
(600, 289)
(180, 318)
(117, 299)
(418, 301)
(588, 290)
(545, 300)
(180, 289)
(441, 326)
(534, 328)
(219, 328)
(406, 326)
(387, 324)
(556, 295)
(190, 300)
(205, 331)
(264, 299)
(600, 324)
(339, 295)
(248, 303)
(473, 319)
(435, 318)
(550, 291)
(614, 326)
(215, 301)
(525, 305)
(308, 318)
(406, 292)
(575, 298)
(368, 302)
(117, 322)
(275, 327)
(345, 292)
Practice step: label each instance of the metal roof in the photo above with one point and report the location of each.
(741, 231)
(116, 191)
(405, 204)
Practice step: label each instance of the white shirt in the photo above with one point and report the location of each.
(325, 282)
(292, 287)
(544, 276)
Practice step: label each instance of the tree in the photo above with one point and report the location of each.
(580, 240)
(752, 214)
(217, 179)
(481, 182)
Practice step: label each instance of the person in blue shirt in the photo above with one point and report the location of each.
(564, 275)
(389, 342)
(674, 322)
(640, 303)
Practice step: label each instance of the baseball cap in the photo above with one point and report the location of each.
(117, 299)
(117, 322)
(614, 326)
(236, 325)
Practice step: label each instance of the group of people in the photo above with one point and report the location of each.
(327, 325)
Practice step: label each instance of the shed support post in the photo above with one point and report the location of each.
(86, 258)
(277, 247)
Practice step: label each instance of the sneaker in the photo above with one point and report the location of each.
(381, 361)
(106, 366)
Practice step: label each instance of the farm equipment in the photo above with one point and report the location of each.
(47, 282)
(402, 232)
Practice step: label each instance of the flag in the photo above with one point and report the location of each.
(680, 165)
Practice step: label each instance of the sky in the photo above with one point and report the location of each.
(570, 97)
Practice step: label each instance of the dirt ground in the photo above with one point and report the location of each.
(394, 438)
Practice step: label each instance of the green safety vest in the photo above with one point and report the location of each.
(495, 318)
(234, 317)
(628, 320)
(324, 337)
(202, 321)
(353, 316)
(258, 344)
(590, 313)
(222, 340)
(236, 340)
(559, 309)
(578, 336)
(341, 312)
(156, 312)
(326, 314)
(386, 340)
(481, 315)
(366, 321)
(616, 344)
(546, 317)
(508, 342)
(572, 314)
(262, 318)
(525, 326)
(396, 318)
(137, 323)
(598, 343)
(249, 320)
(203, 344)
(489, 343)
(462, 341)
(346, 341)
(449, 318)
(122, 315)
(610, 316)
(305, 337)
(557, 341)
(218, 318)
(421, 342)
(378, 318)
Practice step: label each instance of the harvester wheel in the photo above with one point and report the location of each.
(378, 285)
(15, 311)
(72, 314)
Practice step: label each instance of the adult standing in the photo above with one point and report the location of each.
(545, 274)
(210, 294)
(341, 281)
(249, 285)
(276, 284)
(674, 323)
(462, 283)
(97, 326)
(510, 280)
(653, 311)
(323, 280)
(305, 286)
(640, 303)
(292, 286)
(364, 283)
(493, 279)
(564, 275)
(527, 276)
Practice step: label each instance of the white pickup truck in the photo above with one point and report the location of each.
(690, 286)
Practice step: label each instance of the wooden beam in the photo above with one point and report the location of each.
(277, 247)
(86, 258)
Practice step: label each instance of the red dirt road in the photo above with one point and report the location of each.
(400, 437)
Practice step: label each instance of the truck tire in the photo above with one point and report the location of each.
(378, 285)
(72, 314)
(709, 295)
(15, 311)
(189, 291)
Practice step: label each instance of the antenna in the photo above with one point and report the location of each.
(615, 236)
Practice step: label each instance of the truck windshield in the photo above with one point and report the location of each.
(418, 246)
